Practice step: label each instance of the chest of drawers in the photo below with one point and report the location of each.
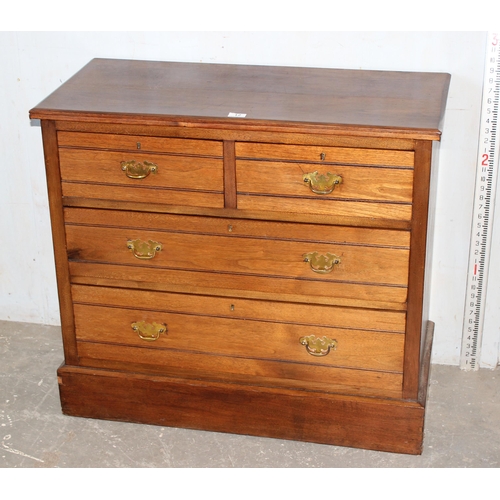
(243, 249)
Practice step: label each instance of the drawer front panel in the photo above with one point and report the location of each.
(140, 142)
(175, 172)
(237, 308)
(332, 181)
(240, 338)
(151, 178)
(325, 181)
(325, 154)
(239, 255)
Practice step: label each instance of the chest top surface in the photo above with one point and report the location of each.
(397, 103)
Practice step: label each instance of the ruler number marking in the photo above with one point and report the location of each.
(485, 177)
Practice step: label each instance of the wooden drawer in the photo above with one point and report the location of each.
(204, 340)
(207, 248)
(354, 183)
(325, 180)
(230, 254)
(150, 178)
(239, 338)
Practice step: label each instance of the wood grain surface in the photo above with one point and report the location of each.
(236, 307)
(238, 338)
(239, 255)
(175, 172)
(404, 103)
(371, 423)
(139, 143)
(322, 154)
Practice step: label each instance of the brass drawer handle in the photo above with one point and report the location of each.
(138, 170)
(321, 264)
(144, 249)
(318, 346)
(149, 331)
(322, 184)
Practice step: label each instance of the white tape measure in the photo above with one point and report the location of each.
(484, 199)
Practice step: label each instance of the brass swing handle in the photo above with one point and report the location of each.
(321, 264)
(320, 183)
(318, 346)
(144, 249)
(138, 170)
(149, 331)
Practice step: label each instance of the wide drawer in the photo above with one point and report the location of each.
(240, 338)
(204, 342)
(178, 244)
(142, 177)
(227, 254)
(257, 259)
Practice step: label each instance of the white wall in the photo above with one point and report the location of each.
(35, 64)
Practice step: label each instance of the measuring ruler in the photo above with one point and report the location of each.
(484, 199)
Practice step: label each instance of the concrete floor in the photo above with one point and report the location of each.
(462, 424)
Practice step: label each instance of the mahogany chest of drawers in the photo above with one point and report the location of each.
(243, 249)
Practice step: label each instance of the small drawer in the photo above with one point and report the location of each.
(325, 181)
(319, 182)
(142, 177)
(136, 143)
